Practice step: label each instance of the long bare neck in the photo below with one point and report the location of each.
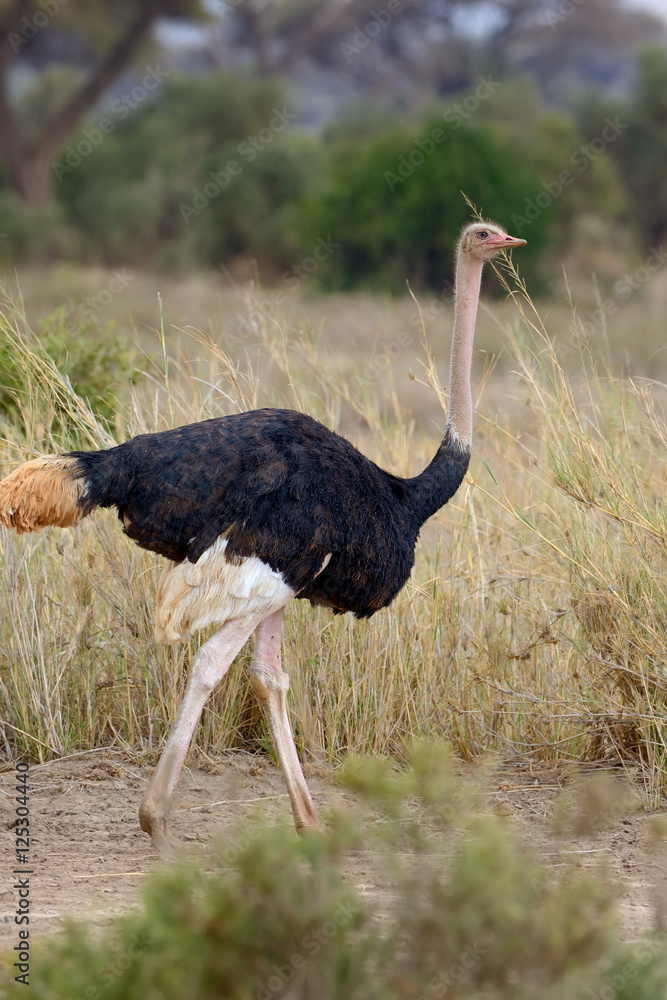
(468, 282)
(440, 480)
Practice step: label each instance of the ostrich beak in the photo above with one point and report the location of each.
(506, 242)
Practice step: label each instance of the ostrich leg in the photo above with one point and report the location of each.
(210, 664)
(270, 685)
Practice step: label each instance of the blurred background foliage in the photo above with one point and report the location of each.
(319, 104)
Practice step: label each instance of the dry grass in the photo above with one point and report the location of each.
(534, 625)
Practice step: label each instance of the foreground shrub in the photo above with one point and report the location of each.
(472, 913)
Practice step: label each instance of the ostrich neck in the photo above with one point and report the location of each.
(442, 477)
(468, 282)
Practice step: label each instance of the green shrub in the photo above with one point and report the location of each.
(137, 197)
(96, 361)
(375, 183)
(395, 220)
(37, 234)
(639, 152)
(260, 215)
(466, 910)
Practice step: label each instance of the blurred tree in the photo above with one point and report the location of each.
(332, 33)
(77, 51)
(104, 35)
(580, 180)
(574, 43)
(393, 206)
(641, 151)
(441, 45)
(193, 177)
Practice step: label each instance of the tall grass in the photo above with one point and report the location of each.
(534, 624)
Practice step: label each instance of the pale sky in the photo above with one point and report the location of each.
(657, 6)
(476, 23)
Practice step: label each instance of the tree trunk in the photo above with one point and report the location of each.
(28, 169)
(31, 178)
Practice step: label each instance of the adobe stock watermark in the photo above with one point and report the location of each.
(581, 159)
(566, 8)
(391, 350)
(248, 151)
(31, 26)
(119, 109)
(90, 309)
(363, 35)
(292, 279)
(646, 952)
(624, 289)
(310, 946)
(107, 974)
(454, 117)
(456, 974)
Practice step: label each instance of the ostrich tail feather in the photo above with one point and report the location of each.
(43, 492)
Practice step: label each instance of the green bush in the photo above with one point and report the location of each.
(394, 203)
(96, 361)
(638, 155)
(139, 195)
(466, 911)
(40, 235)
(158, 191)
(260, 216)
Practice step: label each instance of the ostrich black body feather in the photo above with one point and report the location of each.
(282, 487)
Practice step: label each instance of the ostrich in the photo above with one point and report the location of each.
(253, 510)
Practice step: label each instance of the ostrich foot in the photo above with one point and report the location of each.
(155, 825)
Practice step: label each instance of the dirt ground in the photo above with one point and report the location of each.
(89, 856)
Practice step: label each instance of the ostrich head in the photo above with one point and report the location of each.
(481, 240)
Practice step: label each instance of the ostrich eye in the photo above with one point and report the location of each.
(482, 234)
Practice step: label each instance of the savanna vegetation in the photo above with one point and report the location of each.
(189, 181)
(533, 628)
(472, 912)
